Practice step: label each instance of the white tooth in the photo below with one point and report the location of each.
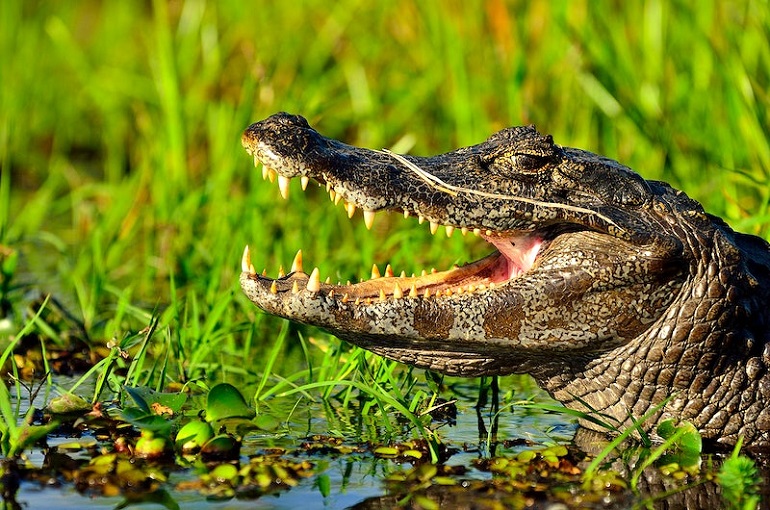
(375, 271)
(332, 194)
(406, 213)
(464, 230)
(271, 174)
(273, 288)
(397, 292)
(420, 219)
(350, 207)
(246, 265)
(283, 186)
(449, 230)
(337, 199)
(477, 231)
(256, 161)
(265, 171)
(304, 180)
(388, 271)
(314, 282)
(433, 227)
(369, 219)
(296, 264)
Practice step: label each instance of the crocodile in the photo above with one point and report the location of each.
(616, 293)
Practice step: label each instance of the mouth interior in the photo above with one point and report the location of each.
(516, 253)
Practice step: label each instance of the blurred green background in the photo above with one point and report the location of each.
(125, 189)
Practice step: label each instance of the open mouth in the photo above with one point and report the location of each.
(516, 253)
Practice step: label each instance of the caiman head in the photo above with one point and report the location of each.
(578, 265)
(584, 280)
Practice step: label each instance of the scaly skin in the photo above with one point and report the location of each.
(608, 289)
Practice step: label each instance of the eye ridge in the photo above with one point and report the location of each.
(528, 161)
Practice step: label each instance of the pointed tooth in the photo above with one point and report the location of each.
(449, 230)
(489, 233)
(406, 214)
(464, 231)
(296, 264)
(332, 194)
(331, 293)
(388, 271)
(477, 231)
(295, 288)
(481, 287)
(281, 272)
(402, 275)
(423, 273)
(283, 186)
(375, 271)
(350, 207)
(304, 181)
(413, 291)
(426, 294)
(383, 297)
(256, 162)
(433, 227)
(369, 219)
(420, 219)
(358, 301)
(337, 199)
(328, 186)
(314, 282)
(273, 288)
(265, 172)
(271, 174)
(246, 261)
(264, 272)
(345, 297)
(397, 292)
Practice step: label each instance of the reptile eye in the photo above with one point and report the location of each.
(528, 162)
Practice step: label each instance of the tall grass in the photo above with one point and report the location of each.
(126, 192)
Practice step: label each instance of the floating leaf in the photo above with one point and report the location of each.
(225, 401)
(193, 436)
(68, 403)
(686, 449)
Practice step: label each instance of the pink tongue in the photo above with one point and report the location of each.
(520, 251)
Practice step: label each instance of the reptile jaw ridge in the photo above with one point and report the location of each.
(516, 254)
